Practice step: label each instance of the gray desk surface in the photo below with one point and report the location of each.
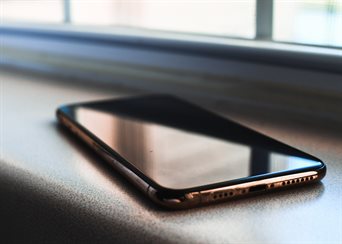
(54, 189)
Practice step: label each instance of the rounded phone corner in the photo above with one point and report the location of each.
(173, 202)
(322, 171)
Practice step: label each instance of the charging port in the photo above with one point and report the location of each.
(257, 188)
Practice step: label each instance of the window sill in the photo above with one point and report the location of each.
(55, 190)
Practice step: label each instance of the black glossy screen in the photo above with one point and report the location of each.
(179, 145)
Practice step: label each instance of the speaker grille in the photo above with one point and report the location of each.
(230, 193)
(291, 182)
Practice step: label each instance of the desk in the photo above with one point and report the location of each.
(53, 189)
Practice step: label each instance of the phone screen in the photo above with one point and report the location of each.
(179, 146)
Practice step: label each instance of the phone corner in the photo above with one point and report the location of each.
(175, 200)
(322, 171)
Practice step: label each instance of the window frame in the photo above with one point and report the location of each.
(295, 56)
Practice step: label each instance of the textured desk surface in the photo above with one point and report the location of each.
(54, 189)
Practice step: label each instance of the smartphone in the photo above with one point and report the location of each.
(181, 155)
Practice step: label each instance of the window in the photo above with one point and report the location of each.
(48, 11)
(312, 22)
(226, 18)
(315, 22)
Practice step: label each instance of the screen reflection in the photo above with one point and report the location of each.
(177, 157)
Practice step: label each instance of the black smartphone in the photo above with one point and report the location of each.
(181, 155)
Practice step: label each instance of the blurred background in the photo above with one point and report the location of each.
(231, 50)
(316, 22)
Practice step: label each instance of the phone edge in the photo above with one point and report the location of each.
(194, 198)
